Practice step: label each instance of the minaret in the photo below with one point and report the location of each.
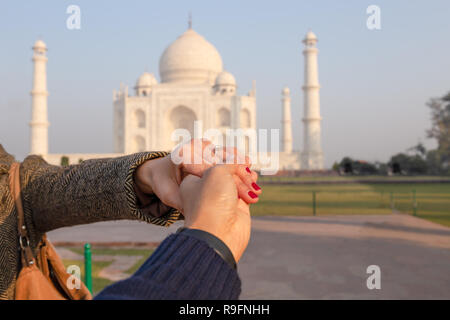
(286, 127)
(312, 156)
(39, 122)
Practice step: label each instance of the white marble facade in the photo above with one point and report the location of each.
(193, 87)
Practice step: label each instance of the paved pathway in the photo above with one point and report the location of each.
(122, 231)
(114, 272)
(327, 258)
(320, 257)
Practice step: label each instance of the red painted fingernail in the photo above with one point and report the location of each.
(248, 169)
(255, 186)
(252, 195)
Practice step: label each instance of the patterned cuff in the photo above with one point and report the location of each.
(155, 211)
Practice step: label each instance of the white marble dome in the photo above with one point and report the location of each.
(225, 78)
(39, 44)
(190, 59)
(310, 36)
(146, 80)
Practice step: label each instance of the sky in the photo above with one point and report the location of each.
(374, 83)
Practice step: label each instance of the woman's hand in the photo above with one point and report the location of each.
(211, 204)
(163, 176)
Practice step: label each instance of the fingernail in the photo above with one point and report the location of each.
(255, 186)
(248, 169)
(252, 195)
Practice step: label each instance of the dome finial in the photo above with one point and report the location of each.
(190, 21)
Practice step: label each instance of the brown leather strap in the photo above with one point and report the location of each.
(24, 240)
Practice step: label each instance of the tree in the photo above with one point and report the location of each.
(402, 163)
(346, 165)
(434, 162)
(350, 166)
(419, 149)
(440, 129)
(64, 161)
(364, 167)
(335, 166)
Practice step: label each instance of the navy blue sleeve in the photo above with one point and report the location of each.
(182, 267)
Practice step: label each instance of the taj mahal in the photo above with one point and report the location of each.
(193, 87)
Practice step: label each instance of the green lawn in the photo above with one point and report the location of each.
(99, 283)
(433, 200)
(263, 179)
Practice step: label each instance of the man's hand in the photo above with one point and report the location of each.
(211, 204)
(163, 177)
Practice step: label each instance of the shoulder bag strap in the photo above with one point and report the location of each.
(24, 241)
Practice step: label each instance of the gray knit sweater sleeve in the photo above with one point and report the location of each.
(94, 190)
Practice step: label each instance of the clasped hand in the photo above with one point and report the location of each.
(212, 198)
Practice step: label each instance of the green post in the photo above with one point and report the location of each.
(414, 203)
(314, 202)
(88, 266)
(392, 201)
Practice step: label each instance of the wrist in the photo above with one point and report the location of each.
(142, 177)
(145, 174)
